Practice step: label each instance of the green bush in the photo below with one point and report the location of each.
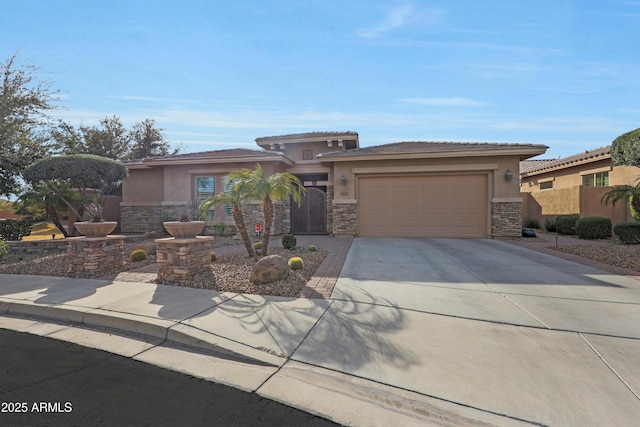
(566, 224)
(593, 227)
(289, 241)
(628, 232)
(296, 263)
(531, 223)
(257, 246)
(312, 248)
(138, 255)
(213, 256)
(15, 229)
(4, 250)
(550, 224)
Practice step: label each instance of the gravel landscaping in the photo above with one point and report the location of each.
(229, 273)
(612, 253)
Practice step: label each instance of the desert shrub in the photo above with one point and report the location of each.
(15, 229)
(550, 224)
(593, 227)
(628, 232)
(289, 241)
(4, 250)
(296, 263)
(566, 224)
(531, 223)
(213, 256)
(312, 248)
(138, 255)
(257, 246)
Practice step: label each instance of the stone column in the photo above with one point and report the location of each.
(180, 259)
(345, 217)
(90, 256)
(506, 218)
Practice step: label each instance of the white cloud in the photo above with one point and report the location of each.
(399, 17)
(445, 102)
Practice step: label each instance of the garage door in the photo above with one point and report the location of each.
(425, 206)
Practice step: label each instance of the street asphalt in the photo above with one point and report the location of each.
(47, 382)
(416, 332)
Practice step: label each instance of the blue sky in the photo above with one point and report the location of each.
(218, 74)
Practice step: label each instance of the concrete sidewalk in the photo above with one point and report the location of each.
(410, 336)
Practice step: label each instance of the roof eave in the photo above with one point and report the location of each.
(566, 165)
(210, 160)
(523, 153)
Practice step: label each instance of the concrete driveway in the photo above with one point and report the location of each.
(486, 325)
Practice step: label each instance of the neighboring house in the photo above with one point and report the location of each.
(574, 185)
(408, 189)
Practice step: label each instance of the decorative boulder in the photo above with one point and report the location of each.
(269, 269)
(148, 248)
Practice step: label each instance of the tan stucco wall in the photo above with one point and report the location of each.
(143, 185)
(572, 176)
(495, 167)
(585, 201)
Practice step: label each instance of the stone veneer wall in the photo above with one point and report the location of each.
(506, 219)
(89, 256)
(182, 258)
(345, 218)
(329, 209)
(140, 219)
(281, 221)
(38, 246)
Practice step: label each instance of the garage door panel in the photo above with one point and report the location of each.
(431, 206)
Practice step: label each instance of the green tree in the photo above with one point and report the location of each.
(625, 149)
(236, 198)
(24, 121)
(625, 192)
(81, 171)
(67, 140)
(112, 140)
(148, 141)
(39, 199)
(277, 187)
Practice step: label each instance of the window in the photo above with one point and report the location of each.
(599, 179)
(307, 154)
(205, 188)
(546, 185)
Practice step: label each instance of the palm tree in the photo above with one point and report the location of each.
(236, 198)
(276, 187)
(625, 192)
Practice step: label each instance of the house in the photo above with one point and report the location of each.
(574, 185)
(408, 189)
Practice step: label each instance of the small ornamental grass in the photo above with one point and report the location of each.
(213, 256)
(138, 255)
(296, 263)
(257, 246)
(312, 248)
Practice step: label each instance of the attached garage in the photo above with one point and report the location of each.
(423, 206)
(428, 189)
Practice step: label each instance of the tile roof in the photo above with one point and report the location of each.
(330, 134)
(539, 166)
(217, 154)
(414, 147)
